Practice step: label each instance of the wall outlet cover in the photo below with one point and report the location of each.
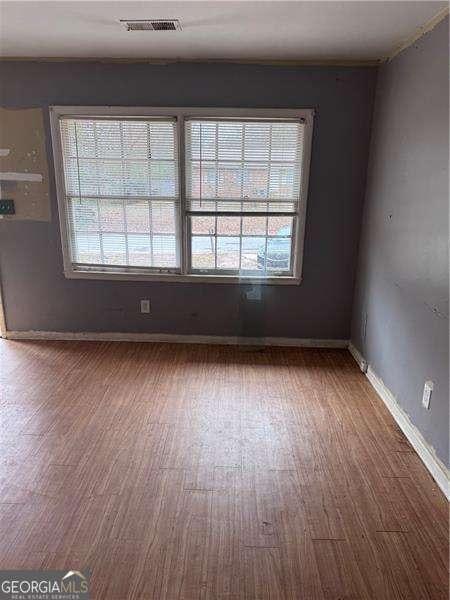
(427, 390)
(145, 306)
(364, 327)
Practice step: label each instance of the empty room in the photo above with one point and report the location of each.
(224, 300)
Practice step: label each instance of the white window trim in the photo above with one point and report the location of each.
(181, 113)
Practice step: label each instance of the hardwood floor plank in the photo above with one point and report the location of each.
(406, 580)
(340, 576)
(263, 574)
(194, 472)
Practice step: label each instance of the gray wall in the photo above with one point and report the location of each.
(400, 314)
(37, 296)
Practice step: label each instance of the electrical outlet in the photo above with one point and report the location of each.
(145, 306)
(364, 326)
(427, 390)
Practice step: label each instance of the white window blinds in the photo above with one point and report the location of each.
(243, 193)
(121, 191)
(243, 165)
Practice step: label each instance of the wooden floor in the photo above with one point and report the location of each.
(206, 472)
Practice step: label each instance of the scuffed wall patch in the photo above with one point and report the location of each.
(22, 132)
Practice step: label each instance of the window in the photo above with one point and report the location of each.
(242, 191)
(121, 192)
(182, 194)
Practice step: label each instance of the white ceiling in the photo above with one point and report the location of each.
(276, 30)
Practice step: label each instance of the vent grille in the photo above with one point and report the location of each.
(152, 24)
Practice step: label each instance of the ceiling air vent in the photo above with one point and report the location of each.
(151, 24)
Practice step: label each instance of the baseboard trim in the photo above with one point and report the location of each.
(362, 363)
(426, 453)
(176, 339)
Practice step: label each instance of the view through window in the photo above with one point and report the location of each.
(243, 187)
(231, 205)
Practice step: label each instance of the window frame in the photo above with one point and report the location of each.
(181, 114)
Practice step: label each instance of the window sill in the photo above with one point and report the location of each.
(178, 278)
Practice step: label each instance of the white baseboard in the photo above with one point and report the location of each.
(437, 469)
(176, 339)
(362, 363)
